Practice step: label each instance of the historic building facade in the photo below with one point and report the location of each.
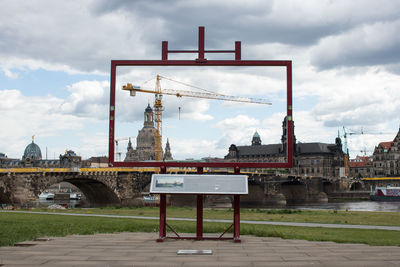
(310, 159)
(386, 158)
(145, 141)
(32, 157)
(361, 167)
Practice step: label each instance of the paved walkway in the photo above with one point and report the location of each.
(326, 225)
(140, 249)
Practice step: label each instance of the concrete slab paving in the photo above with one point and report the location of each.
(140, 249)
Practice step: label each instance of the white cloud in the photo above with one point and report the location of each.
(9, 74)
(69, 34)
(370, 44)
(236, 130)
(24, 116)
(87, 99)
(195, 148)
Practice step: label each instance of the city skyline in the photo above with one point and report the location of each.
(55, 61)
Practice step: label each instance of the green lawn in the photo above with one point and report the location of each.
(279, 215)
(16, 227)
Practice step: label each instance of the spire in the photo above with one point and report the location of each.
(129, 143)
(256, 139)
(167, 154)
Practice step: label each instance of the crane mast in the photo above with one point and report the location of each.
(158, 109)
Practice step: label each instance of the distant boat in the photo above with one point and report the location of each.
(75, 196)
(60, 196)
(389, 193)
(46, 195)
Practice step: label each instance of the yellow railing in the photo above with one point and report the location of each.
(380, 178)
(110, 169)
(32, 170)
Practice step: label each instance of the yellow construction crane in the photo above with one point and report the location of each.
(158, 107)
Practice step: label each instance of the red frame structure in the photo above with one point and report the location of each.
(201, 61)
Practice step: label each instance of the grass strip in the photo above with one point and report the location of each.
(23, 227)
(277, 215)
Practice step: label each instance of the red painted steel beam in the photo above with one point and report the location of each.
(202, 164)
(236, 218)
(111, 133)
(255, 63)
(163, 218)
(201, 44)
(199, 219)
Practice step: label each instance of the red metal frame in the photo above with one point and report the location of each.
(199, 218)
(201, 61)
(199, 222)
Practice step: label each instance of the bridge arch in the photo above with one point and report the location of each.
(294, 191)
(327, 187)
(96, 192)
(4, 197)
(99, 190)
(356, 186)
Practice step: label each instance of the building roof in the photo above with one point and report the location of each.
(259, 150)
(275, 149)
(101, 159)
(354, 164)
(385, 144)
(313, 148)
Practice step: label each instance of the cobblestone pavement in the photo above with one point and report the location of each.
(140, 249)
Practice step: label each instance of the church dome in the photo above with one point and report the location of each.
(33, 152)
(148, 109)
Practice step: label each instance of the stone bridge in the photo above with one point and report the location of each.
(101, 186)
(111, 186)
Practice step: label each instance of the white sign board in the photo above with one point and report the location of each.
(199, 184)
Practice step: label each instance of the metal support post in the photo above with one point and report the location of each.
(163, 217)
(199, 221)
(163, 211)
(236, 218)
(199, 225)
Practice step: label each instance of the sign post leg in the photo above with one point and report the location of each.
(163, 217)
(199, 228)
(236, 218)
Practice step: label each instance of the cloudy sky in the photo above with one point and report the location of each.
(55, 61)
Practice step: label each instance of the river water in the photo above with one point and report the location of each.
(352, 206)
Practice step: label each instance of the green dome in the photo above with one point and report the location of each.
(33, 152)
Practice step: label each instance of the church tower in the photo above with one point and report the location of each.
(167, 154)
(285, 136)
(256, 141)
(148, 117)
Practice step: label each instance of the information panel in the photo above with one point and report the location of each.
(199, 184)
